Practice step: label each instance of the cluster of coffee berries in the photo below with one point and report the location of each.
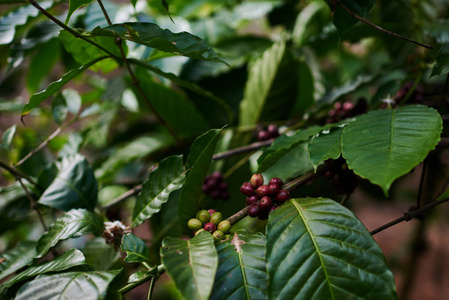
(210, 221)
(262, 199)
(215, 186)
(343, 110)
(266, 133)
(342, 179)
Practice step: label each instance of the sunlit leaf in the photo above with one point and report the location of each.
(74, 5)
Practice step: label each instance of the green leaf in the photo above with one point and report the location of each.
(74, 186)
(74, 5)
(72, 224)
(441, 66)
(318, 249)
(153, 36)
(84, 52)
(167, 9)
(20, 16)
(71, 285)
(7, 137)
(383, 145)
(67, 260)
(59, 109)
(342, 19)
(17, 258)
(198, 162)
(191, 264)
(325, 145)
(167, 178)
(55, 86)
(136, 249)
(241, 272)
(99, 255)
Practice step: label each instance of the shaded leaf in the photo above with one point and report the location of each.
(241, 272)
(441, 66)
(71, 285)
(100, 255)
(191, 264)
(153, 36)
(7, 137)
(167, 8)
(74, 5)
(17, 258)
(72, 224)
(67, 260)
(438, 30)
(383, 145)
(74, 185)
(59, 109)
(136, 250)
(318, 249)
(55, 86)
(167, 178)
(198, 162)
(325, 145)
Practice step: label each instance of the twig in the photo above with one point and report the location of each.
(237, 165)
(356, 16)
(421, 184)
(235, 151)
(345, 198)
(238, 216)
(134, 191)
(46, 141)
(134, 79)
(409, 215)
(32, 204)
(16, 173)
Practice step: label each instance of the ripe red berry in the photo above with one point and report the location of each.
(247, 189)
(253, 210)
(263, 190)
(265, 204)
(276, 180)
(217, 176)
(282, 196)
(273, 189)
(251, 199)
(256, 180)
(263, 135)
(211, 211)
(210, 227)
(273, 130)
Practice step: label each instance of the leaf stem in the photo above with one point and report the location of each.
(32, 204)
(16, 173)
(235, 151)
(134, 191)
(356, 16)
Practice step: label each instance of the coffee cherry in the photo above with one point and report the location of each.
(277, 181)
(253, 210)
(265, 204)
(211, 211)
(216, 218)
(224, 226)
(273, 189)
(199, 231)
(247, 189)
(263, 135)
(273, 130)
(203, 216)
(217, 176)
(263, 190)
(251, 199)
(282, 196)
(217, 235)
(194, 224)
(210, 227)
(256, 180)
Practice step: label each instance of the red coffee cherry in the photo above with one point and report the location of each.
(247, 189)
(210, 227)
(282, 196)
(253, 210)
(263, 190)
(273, 189)
(265, 204)
(276, 181)
(251, 200)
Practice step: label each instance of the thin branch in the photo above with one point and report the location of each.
(238, 216)
(356, 16)
(134, 79)
(237, 166)
(409, 215)
(46, 141)
(134, 191)
(421, 184)
(18, 175)
(32, 204)
(131, 286)
(250, 147)
(444, 92)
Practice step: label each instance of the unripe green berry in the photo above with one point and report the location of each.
(217, 235)
(194, 224)
(203, 216)
(216, 218)
(199, 231)
(224, 226)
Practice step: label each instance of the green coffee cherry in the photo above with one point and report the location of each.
(203, 216)
(216, 218)
(217, 235)
(199, 231)
(194, 224)
(224, 226)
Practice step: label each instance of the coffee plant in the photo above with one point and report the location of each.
(214, 149)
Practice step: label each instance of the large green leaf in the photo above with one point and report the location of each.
(55, 86)
(136, 250)
(441, 66)
(16, 18)
(74, 5)
(342, 19)
(318, 249)
(241, 272)
(167, 178)
(71, 225)
(198, 161)
(325, 145)
(191, 264)
(17, 258)
(67, 260)
(383, 145)
(71, 285)
(153, 36)
(74, 185)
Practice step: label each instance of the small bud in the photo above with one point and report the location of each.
(194, 224)
(216, 218)
(224, 226)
